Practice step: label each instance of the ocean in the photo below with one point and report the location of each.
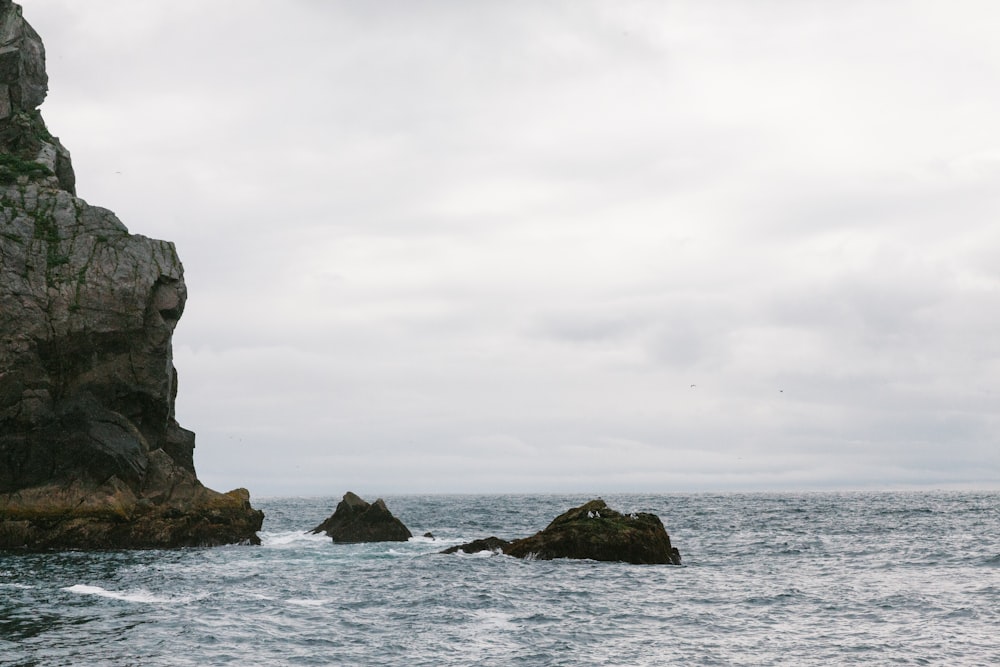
(767, 579)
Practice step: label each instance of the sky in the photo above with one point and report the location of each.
(567, 246)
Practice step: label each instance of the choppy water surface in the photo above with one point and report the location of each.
(811, 579)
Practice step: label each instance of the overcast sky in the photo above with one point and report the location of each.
(559, 246)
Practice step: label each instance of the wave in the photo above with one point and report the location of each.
(140, 595)
(484, 553)
(306, 602)
(783, 597)
(288, 538)
(841, 599)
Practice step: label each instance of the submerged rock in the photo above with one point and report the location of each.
(591, 531)
(355, 520)
(91, 455)
(491, 543)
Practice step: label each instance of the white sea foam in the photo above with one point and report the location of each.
(493, 619)
(259, 596)
(23, 587)
(138, 595)
(487, 632)
(291, 538)
(485, 553)
(306, 602)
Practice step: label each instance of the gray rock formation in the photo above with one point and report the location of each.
(90, 452)
(355, 520)
(22, 63)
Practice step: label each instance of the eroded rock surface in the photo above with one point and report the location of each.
(355, 520)
(91, 454)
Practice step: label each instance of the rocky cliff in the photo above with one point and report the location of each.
(90, 452)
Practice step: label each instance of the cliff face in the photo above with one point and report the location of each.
(90, 452)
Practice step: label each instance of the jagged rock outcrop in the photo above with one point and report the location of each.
(592, 531)
(91, 454)
(355, 520)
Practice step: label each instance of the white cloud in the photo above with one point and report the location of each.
(456, 246)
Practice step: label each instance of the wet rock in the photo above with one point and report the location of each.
(592, 531)
(355, 520)
(491, 543)
(91, 454)
(111, 515)
(597, 532)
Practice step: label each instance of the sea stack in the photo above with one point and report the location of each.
(356, 520)
(597, 532)
(91, 455)
(592, 531)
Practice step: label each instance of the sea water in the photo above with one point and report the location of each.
(767, 579)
